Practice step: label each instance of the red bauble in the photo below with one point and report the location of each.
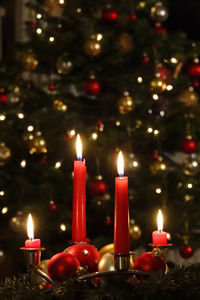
(109, 15)
(147, 262)
(87, 254)
(164, 73)
(145, 59)
(97, 188)
(188, 146)
(52, 206)
(159, 29)
(194, 70)
(91, 87)
(186, 251)
(132, 17)
(3, 97)
(62, 265)
(52, 87)
(108, 221)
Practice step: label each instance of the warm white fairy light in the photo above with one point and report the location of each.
(79, 10)
(39, 30)
(94, 136)
(72, 132)
(169, 87)
(51, 39)
(39, 16)
(156, 132)
(58, 165)
(4, 210)
(23, 163)
(155, 97)
(135, 164)
(162, 113)
(30, 128)
(190, 185)
(20, 115)
(174, 60)
(150, 130)
(63, 227)
(158, 191)
(2, 117)
(99, 37)
(117, 123)
(139, 79)
(196, 60)
(62, 1)
(2, 193)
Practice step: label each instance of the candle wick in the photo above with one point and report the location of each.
(121, 175)
(160, 231)
(79, 159)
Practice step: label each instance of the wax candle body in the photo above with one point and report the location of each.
(159, 238)
(35, 243)
(79, 202)
(121, 222)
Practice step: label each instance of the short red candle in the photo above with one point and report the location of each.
(79, 199)
(159, 237)
(121, 221)
(31, 242)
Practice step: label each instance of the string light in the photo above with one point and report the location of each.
(63, 227)
(135, 164)
(155, 97)
(4, 210)
(62, 1)
(79, 10)
(2, 117)
(51, 39)
(99, 37)
(30, 128)
(169, 87)
(94, 136)
(23, 163)
(196, 60)
(117, 123)
(58, 165)
(39, 30)
(39, 16)
(20, 115)
(158, 191)
(72, 132)
(139, 79)
(190, 185)
(174, 60)
(156, 132)
(150, 130)
(2, 193)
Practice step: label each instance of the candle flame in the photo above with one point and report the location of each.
(78, 147)
(30, 227)
(120, 164)
(160, 221)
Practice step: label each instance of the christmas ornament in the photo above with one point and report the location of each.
(186, 251)
(107, 249)
(132, 17)
(38, 279)
(14, 95)
(125, 43)
(126, 103)
(5, 154)
(3, 95)
(108, 220)
(189, 97)
(18, 222)
(159, 29)
(54, 8)
(37, 145)
(91, 87)
(191, 165)
(188, 145)
(29, 61)
(100, 126)
(106, 263)
(158, 165)
(157, 86)
(194, 70)
(97, 187)
(52, 206)
(92, 46)
(147, 262)
(159, 12)
(64, 65)
(62, 265)
(135, 231)
(87, 255)
(58, 105)
(163, 73)
(51, 87)
(145, 58)
(109, 14)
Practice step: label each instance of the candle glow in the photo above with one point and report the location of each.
(31, 242)
(160, 221)
(79, 147)
(120, 164)
(159, 237)
(30, 227)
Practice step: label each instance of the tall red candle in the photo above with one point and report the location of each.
(31, 242)
(159, 237)
(121, 223)
(79, 197)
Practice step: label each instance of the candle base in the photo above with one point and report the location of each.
(160, 250)
(32, 256)
(122, 261)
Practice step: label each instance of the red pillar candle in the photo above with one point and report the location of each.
(31, 242)
(121, 222)
(79, 197)
(159, 237)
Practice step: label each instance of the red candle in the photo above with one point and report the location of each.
(121, 223)
(79, 197)
(159, 237)
(31, 242)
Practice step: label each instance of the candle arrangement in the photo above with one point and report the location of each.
(83, 259)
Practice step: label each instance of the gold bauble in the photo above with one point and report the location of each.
(135, 231)
(58, 105)
(18, 222)
(106, 263)
(29, 61)
(37, 278)
(37, 145)
(54, 8)
(191, 165)
(92, 47)
(189, 97)
(5, 154)
(158, 86)
(158, 165)
(64, 65)
(125, 43)
(107, 249)
(126, 103)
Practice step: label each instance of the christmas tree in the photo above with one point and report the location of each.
(115, 74)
